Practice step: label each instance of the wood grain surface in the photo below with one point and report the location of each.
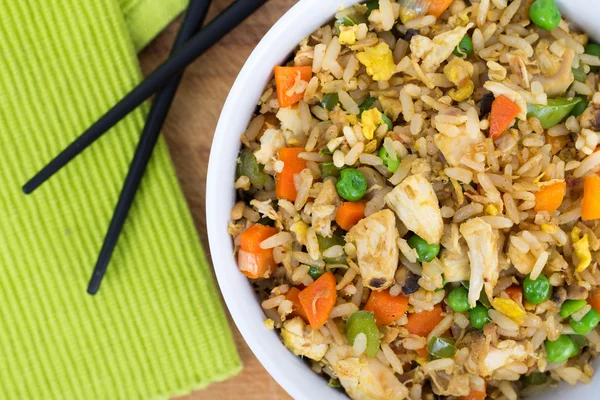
(189, 132)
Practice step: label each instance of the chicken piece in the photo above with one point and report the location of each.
(299, 342)
(291, 120)
(324, 208)
(455, 147)
(364, 378)
(416, 204)
(456, 384)
(375, 240)
(484, 358)
(271, 141)
(482, 241)
(456, 265)
(557, 84)
(443, 46)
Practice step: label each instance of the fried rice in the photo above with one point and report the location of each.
(470, 255)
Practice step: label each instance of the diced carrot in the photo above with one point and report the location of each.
(318, 299)
(385, 307)
(590, 205)
(422, 323)
(297, 310)
(476, 394)
(422, 352)
(437, 7)
(286, 78)
(594, 299)
(550, 197)
(515, 292)
(349, 213)
(251, 238)
(292, 165)
(253, 261)
(503, 113)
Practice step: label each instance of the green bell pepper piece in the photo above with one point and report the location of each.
(363, 322)
(327, 242)
(553, 113)
(249, 166)
(441, 347)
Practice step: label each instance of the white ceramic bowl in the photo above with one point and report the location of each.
(288, 370)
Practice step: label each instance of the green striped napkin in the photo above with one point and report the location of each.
(157, 327)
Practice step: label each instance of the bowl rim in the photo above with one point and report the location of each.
(288, 370)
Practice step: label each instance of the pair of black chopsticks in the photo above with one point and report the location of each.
(190, 43)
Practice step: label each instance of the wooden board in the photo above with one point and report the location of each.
(189, 131)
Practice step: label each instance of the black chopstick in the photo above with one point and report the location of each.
(192, 23)
(202, 41)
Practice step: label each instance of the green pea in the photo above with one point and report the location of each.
(388, 122)
(367, 104)
(580, 107)
(593, 49)
(479, 316)
(249, 166)
(363, 322)
(316, 272)
(458, 299)
(334, 383)
(352, 184)
(537, 291)
(465, 47)
(588, 323)
(578, 74)
(561, 349)
(545, 14)
(330, 100)
(334, 240)
(441, 347)
(535, 378)
(392, 165)
(425, 251)
(328, 169)
(570, 306)
(556, 111)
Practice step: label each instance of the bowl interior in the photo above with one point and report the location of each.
(288, 370)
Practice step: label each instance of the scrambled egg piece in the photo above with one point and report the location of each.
(300, 343)
(364, 378)
(491, 209)
(375, 240)
(379, 62)
(458, 71)
(482, 241)
(510, 308)
(300, 228)
(347, 35)
(417, 206)
(353, 119)
(371, 119)
(581, 246)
